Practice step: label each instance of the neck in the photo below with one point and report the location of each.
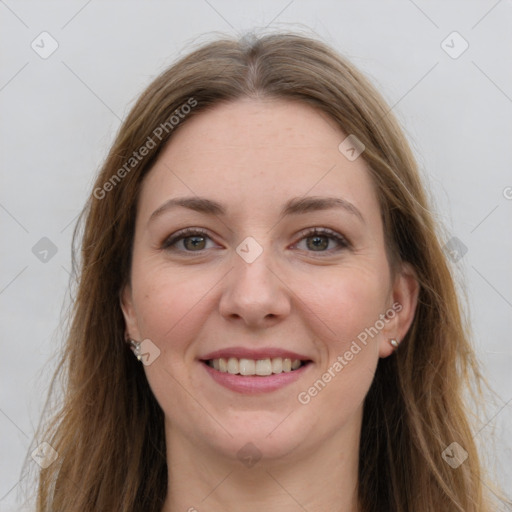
(317, 479)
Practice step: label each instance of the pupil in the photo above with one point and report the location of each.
(193, 242)
(319, 242)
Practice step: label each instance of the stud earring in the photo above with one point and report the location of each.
(135, 346)
(394, 342)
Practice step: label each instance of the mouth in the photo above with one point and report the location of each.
(256, 367)
(255, 371)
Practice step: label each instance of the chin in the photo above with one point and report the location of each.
(262, 436)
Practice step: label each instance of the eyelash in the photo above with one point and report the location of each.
(343, 243)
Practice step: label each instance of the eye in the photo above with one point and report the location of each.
(188, 240)
(319, 239)
(316, 240)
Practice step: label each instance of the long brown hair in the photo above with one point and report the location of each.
(109, 430)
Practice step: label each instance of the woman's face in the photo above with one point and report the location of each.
(251, 287)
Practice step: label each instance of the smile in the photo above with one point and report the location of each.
(250, 376)
(261, 367)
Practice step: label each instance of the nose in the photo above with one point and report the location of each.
(254, 293)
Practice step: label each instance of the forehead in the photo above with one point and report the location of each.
(256, 152)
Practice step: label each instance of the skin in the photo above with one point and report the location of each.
(252, 156)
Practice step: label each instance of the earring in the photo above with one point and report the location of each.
(394, 342)
(135, 347)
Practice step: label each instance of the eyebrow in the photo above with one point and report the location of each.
(295, 206)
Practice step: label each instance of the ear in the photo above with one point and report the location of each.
(404, 299)
(130, 317)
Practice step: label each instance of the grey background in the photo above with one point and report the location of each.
(59, 115)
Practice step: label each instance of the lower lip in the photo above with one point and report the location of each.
(250, 384)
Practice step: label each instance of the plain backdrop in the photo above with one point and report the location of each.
(452, 93)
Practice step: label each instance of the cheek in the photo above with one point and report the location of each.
(347, 300)
(348, 303)
(169, 304)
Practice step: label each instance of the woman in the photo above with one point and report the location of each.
(265, 318)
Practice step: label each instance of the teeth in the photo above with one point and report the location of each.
(232, 365)
(277, 365)
(295, 364)
(246, 366)
(261, 367)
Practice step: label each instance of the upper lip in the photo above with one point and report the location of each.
(247, 353)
